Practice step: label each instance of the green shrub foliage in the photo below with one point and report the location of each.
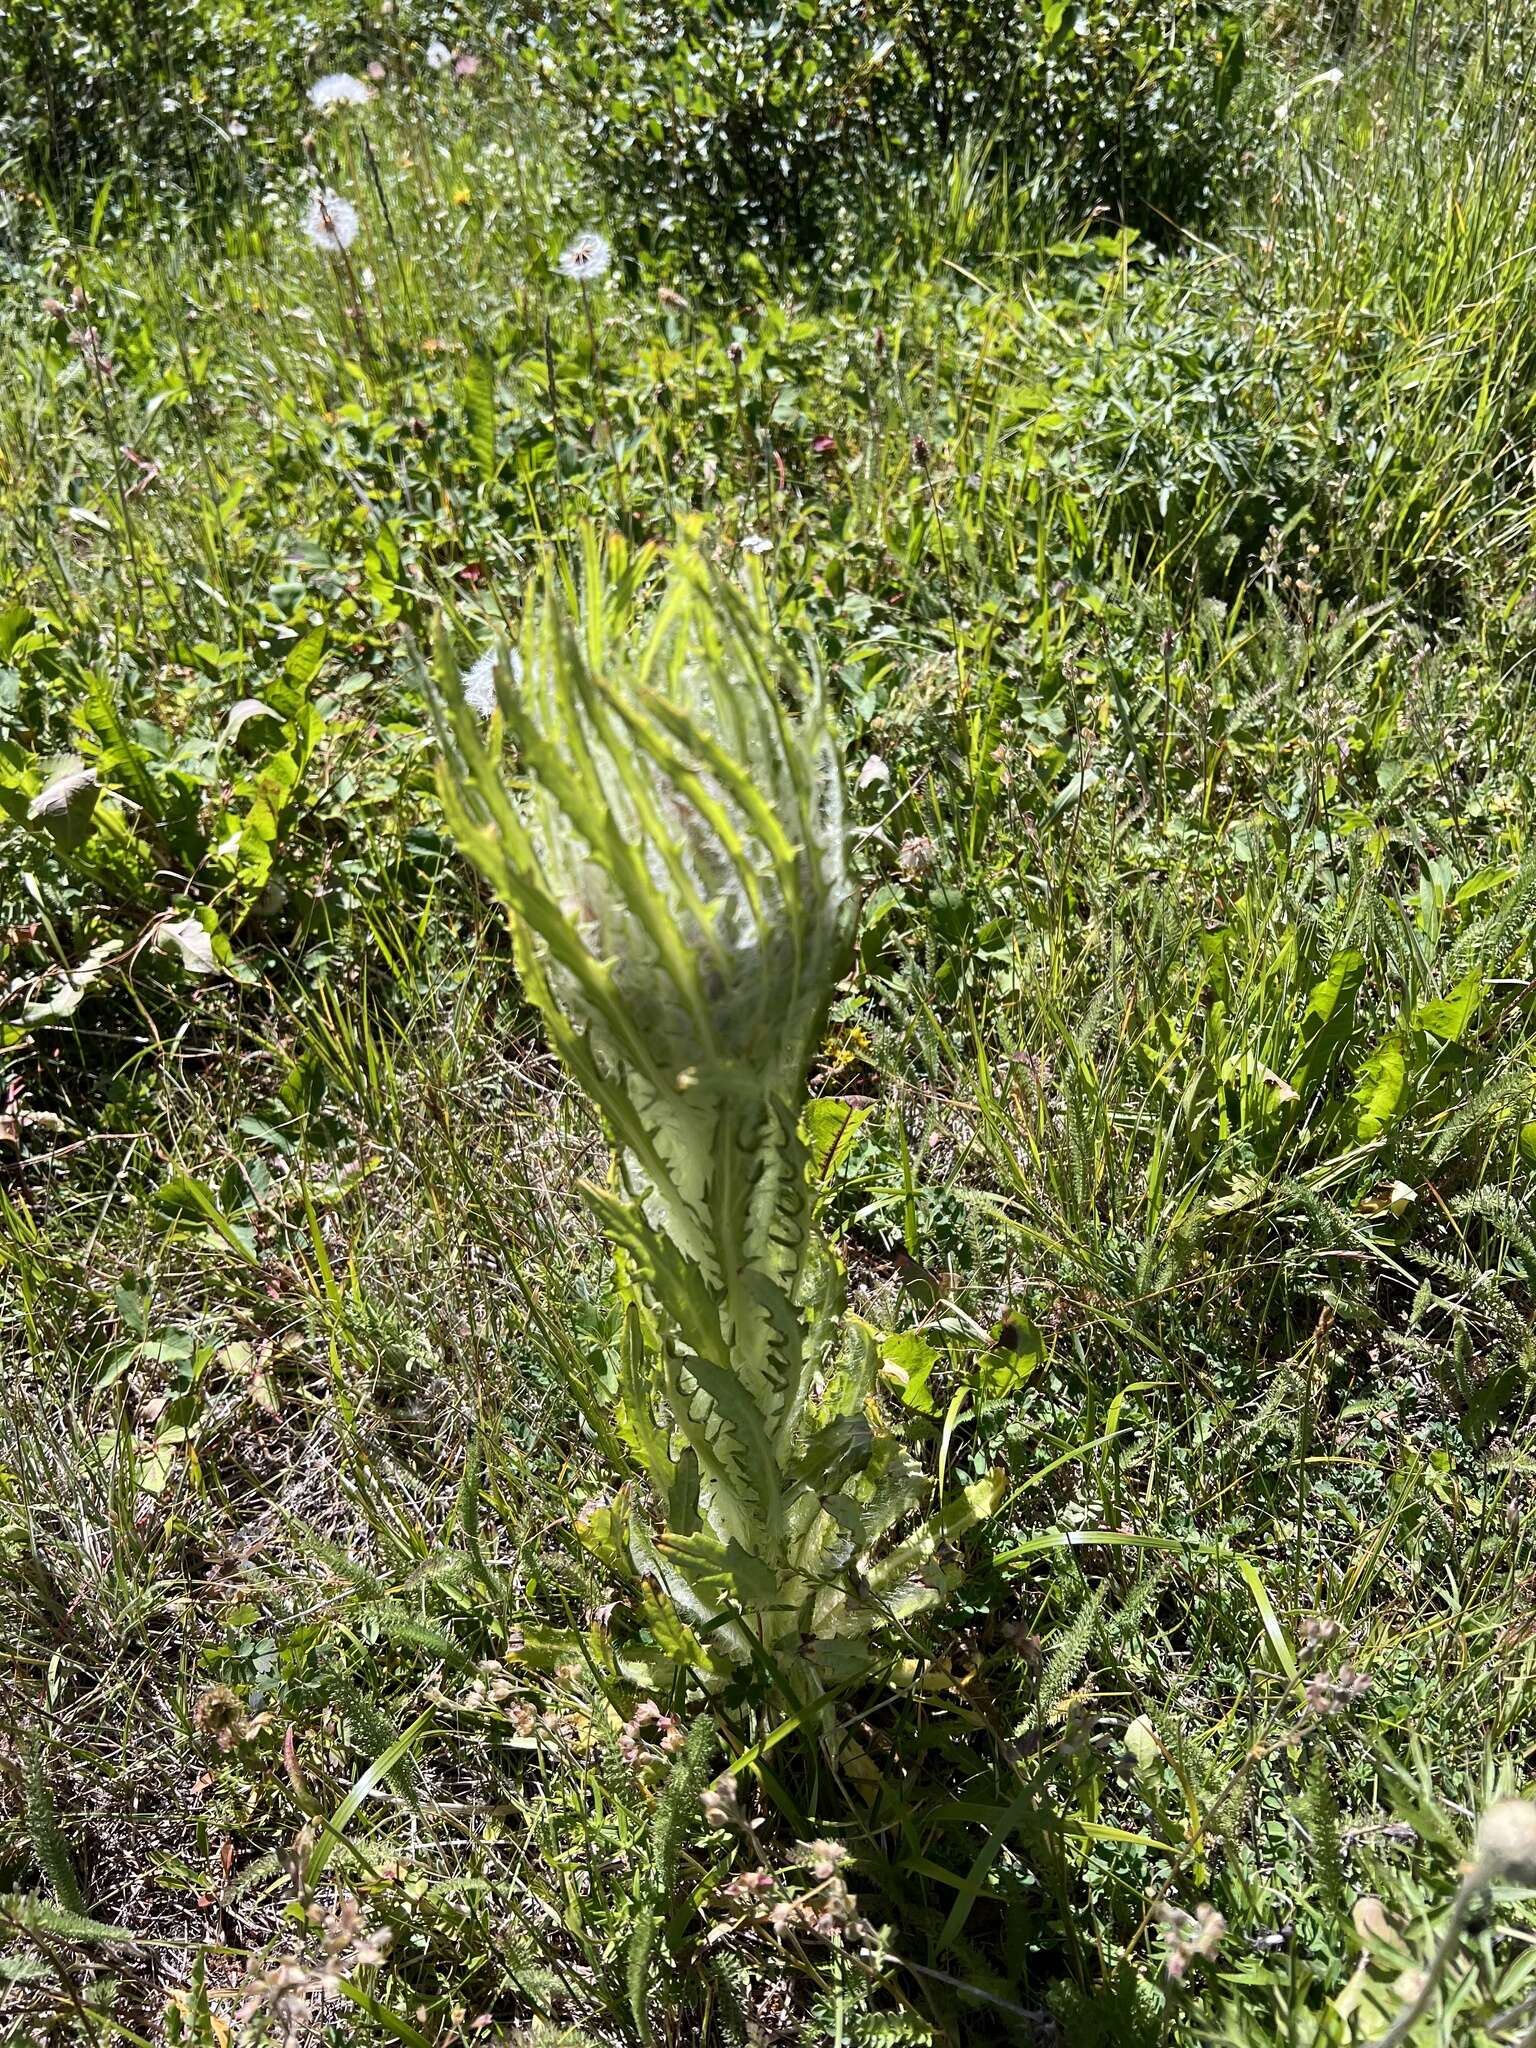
(147, 93)
(714, 123)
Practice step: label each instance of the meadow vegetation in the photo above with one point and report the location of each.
(1063, 476)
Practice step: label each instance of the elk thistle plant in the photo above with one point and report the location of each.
(673, 852)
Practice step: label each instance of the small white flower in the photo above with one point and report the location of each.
(338, 89)
(586, 258)
(480, 681)
(755, 544)
(439, 56)
(331, 222)
(237, 128)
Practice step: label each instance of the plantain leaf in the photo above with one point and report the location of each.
(1448, 1017)
(1379, 1090)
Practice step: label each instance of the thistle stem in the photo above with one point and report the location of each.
(1475, 1881)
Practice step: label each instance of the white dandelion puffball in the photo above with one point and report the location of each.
(338, 89)
(439, 56)
(1506, 1840)
(480, 681)
(331, 222)
(586, 258)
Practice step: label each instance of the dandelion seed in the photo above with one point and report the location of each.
(331, 222)
(585, 259)
(337, 89)
(439, 56)
(480, 681)
(480, 685)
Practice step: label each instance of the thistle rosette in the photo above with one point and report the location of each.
(672, 847)
(676, 867)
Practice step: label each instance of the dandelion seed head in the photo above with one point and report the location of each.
(331, 222)
(585, 259)
(337, 89)
(480, 681)
(1506, 1840)
(439, 56)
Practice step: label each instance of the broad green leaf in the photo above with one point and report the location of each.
(124, 762)
(14, 621)
(70, 988)
(830, 1128)
(1447, 1017)
(185, 1198)
(1493, 877)
(188, 937)
(252, 721)
(1379, 1091)
(1328, 1018)
(303, 663)
(66, 803)
(908, 1360)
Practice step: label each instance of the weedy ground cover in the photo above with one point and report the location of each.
(1133, 515)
